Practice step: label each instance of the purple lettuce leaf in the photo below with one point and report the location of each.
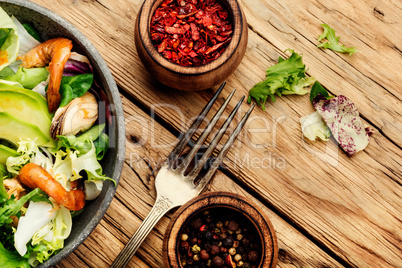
(341, 116)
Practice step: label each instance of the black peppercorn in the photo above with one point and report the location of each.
(204, 255)
(214, 239)
(215, 250)
(184, 246)
(196, 223)
(247, 265)
(233, 226)
(217, 262)
(194, 240)
(208, 218)
(253, 256)
(228, 241)
(245, 241)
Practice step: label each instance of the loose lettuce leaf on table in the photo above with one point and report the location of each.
(333, 41)
(316, 90)
(314, 127)
(342, 117)
(286, 77)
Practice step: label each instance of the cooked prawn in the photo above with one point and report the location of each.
(54, 52)
(34, 176)
(13, 187)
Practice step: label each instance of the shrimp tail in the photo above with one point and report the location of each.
(34, 176)
(54, 52)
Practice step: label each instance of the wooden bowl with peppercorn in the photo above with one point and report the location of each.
(220, 229)
(188, 44)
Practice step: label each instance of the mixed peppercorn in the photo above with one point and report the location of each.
(218, 239)
(191, 32)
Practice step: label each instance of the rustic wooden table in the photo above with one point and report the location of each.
(329, 210)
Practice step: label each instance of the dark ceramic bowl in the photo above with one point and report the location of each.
(50, 25)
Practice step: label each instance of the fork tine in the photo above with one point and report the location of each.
(193, 128)
(187, 160)
(214, 142)
(204, 180)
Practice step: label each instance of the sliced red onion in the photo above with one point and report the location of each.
(77, 64)
(341, 116)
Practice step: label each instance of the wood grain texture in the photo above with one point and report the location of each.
(136, 194)
(350, 206)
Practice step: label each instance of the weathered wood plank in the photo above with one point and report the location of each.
(136, 194)
(370, 77)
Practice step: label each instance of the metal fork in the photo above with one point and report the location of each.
(174, 186)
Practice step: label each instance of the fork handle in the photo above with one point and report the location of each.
(161, 207)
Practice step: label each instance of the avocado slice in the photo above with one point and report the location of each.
(15, 130)
(25, 108)
(6, 152)
(41, 100)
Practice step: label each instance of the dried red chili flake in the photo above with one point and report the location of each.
(191, 32)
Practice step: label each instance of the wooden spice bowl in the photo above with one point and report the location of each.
(190, 78)
(231, 204)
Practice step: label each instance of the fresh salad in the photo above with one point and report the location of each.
(51, 142)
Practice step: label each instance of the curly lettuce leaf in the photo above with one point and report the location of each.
(37, 215)
(90, 164)
(333, 41)
(50, 238)
(26, 149)
(286, 77)
(83, 142)
(12, 207)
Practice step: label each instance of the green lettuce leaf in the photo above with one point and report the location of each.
(286, 77)
(10, 44)
(12, 206)
(332, 43)
(11, 259)
(26, 149)
(4, 34)
(28, 78)
(7, 71)
(31, 30)
(316, 90)
(313, 126)
(101, 145)
(50, 238)
(72, 87)
(3, 192)
(83, 142)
